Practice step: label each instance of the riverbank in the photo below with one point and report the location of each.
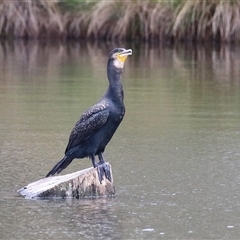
(182, 20)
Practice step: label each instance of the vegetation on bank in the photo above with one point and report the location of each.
(148, 20)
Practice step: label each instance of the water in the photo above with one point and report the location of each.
(175, 157)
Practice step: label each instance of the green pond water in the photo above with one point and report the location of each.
(175, 157)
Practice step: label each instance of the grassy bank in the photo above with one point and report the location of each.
(148, 20)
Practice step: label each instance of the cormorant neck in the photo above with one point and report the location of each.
(113, 73)
(115, 85)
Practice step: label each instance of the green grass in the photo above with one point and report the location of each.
(76, 5)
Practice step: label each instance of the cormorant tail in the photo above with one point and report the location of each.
(60, 165)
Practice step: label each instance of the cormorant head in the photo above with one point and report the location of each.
(118, 56)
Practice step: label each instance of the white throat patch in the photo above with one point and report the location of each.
(117, 63)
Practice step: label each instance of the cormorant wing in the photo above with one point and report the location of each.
(90, 122)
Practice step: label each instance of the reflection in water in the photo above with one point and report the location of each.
(175, 157)
(91, 219)
(63, 219)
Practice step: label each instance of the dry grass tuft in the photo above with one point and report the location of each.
(148, 20)
(143, 20)
(207, 20)
(34, 18)
(76, 24)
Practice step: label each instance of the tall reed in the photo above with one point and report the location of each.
(30, 18)
(148, 20)
(207, 20)
(144, 20)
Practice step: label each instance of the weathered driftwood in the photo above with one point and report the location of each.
(84, 183)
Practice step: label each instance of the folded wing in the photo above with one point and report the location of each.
(89, 123)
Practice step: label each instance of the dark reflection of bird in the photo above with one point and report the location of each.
(97, 125)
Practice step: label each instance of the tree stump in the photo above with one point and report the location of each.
(81, 184)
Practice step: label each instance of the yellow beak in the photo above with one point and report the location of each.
(123, 55)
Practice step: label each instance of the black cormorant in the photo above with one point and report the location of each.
(97, 125)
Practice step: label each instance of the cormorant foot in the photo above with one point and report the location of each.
(103, 169)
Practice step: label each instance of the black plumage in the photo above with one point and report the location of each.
(97, 125)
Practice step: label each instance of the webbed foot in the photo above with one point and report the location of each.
(103, 169)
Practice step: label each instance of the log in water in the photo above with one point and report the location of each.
(81, 184)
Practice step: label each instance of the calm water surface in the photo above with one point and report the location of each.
(175, 157)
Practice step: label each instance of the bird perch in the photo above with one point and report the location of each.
(81, 184)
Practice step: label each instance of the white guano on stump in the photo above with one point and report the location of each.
(81, 184)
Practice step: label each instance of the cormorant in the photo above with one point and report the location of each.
(97, 125)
